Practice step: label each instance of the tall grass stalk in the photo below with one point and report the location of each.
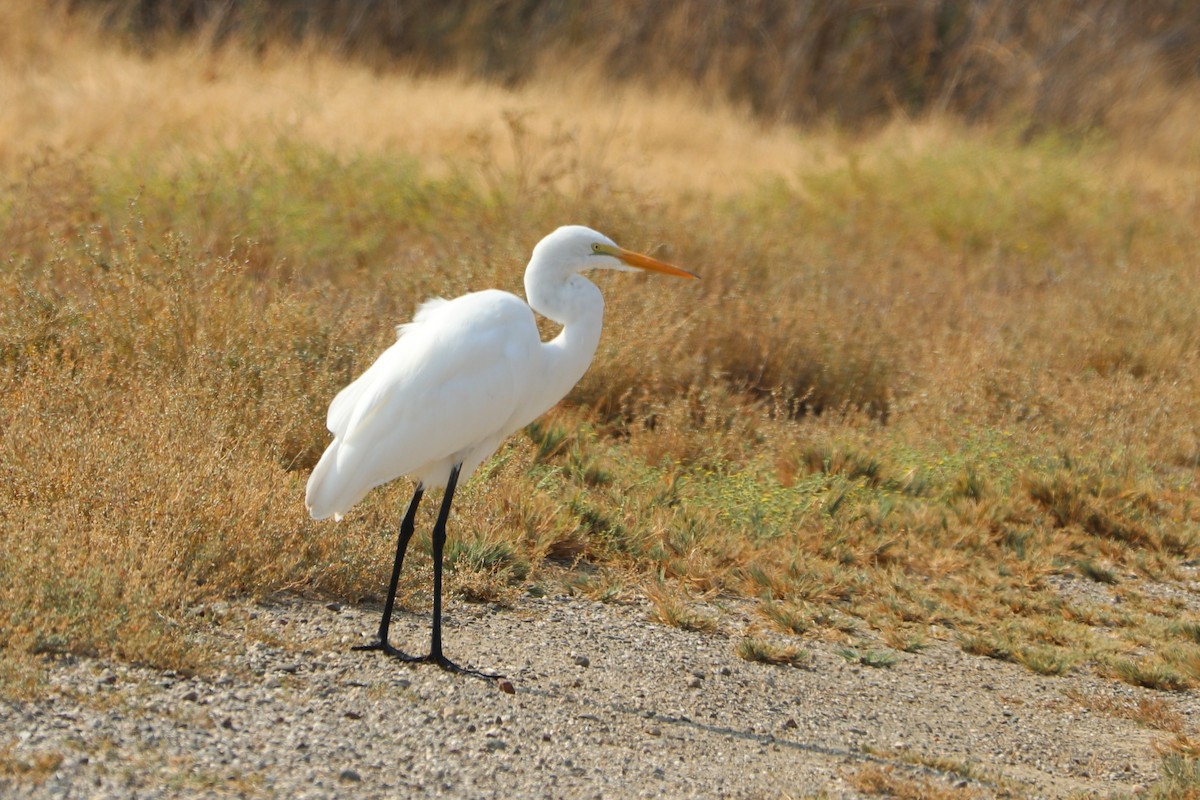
(932, 371)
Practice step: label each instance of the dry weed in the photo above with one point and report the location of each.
(930, 369)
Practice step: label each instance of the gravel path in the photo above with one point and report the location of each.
(607, 704)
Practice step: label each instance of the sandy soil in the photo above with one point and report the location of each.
(606, 704)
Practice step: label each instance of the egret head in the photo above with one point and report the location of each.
(577, 248)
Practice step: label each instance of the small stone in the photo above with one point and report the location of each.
(353, 715)
(227, 723)
(506, 686)
(790, 724)
(191, 696)
(583, 661)
(695, 683)
(350, 776)
(334, 606)
(726, 671)
(290, 669)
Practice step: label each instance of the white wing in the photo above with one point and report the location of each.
(343, 405)
(448, 391)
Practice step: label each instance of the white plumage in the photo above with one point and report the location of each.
(461, 377)
(448, 391)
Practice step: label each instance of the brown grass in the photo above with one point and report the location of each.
(1153, 712)
(892, 782)
(1075, 64)
(753, 648)
(35, 768)
(930, 367)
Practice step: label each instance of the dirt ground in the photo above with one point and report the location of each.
(606, 704)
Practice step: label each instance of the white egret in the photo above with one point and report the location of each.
(461, 377)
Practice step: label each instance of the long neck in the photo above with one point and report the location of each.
(575, 303)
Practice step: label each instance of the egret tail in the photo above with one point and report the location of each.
(330, 492)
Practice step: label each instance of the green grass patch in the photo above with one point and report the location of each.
(1150, 672)
(876, 659)
(1179, 777)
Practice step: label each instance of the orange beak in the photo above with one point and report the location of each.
(651, 264)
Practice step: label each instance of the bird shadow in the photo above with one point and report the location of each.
(684, 723)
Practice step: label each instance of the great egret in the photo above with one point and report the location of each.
(461, 377)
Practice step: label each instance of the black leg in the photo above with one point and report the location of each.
(439, 546)
(436, 655)
(406, 532)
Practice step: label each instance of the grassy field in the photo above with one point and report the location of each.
(933, 373)
(1061, 65)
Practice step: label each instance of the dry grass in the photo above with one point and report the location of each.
(35, 769)
(190, 100)
(892, 782)
(672, 607)
(1062, 64)
(763, 651)
(929, 369)
(1179, 772)
(1155, 713)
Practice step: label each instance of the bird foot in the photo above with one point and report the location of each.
(433, 658)
(450, 666)
(387, 649)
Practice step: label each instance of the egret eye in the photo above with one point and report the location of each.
(595, 247)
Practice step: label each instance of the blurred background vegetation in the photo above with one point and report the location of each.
(1063, 63)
